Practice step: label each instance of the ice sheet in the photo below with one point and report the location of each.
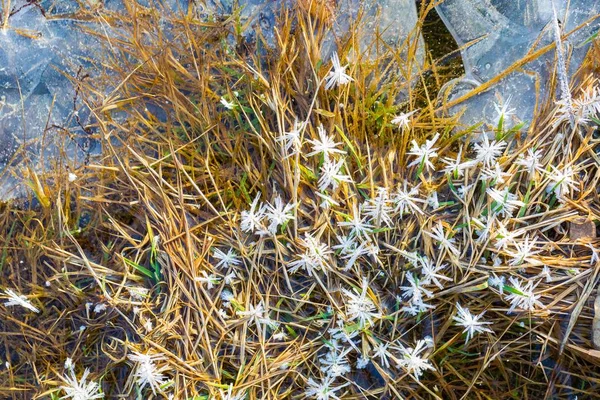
(496, 34)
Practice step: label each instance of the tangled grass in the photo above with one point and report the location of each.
(248, 234)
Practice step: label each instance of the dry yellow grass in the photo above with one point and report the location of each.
(178, 169)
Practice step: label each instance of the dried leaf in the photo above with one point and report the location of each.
(582, 228)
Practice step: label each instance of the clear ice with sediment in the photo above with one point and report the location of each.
(497, 34)
(40, 54)
(45, 49)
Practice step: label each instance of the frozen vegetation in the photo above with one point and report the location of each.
(47, 48)
(298, 200)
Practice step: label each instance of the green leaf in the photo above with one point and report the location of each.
(383, 229)
(464, 353)
(525, 200)
(307, 173)
(350, 146)
(5, 247)
(446, 203)
(243, 188)
(291, 331)
(499, 127)
(452, 187)
(512, 290)
(143, 270)
(588, 40)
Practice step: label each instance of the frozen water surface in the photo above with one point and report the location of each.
(44, 51)
(392, 20)
(495, 34)
(37, 57)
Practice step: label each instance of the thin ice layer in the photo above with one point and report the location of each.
(496, 34)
